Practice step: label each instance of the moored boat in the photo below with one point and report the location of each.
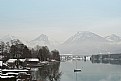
(77, 70)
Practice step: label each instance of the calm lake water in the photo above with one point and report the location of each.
(64, 71)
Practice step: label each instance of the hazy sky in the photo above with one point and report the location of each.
(59, 19)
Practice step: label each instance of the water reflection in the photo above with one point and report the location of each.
(115, 62)
(48, 72)
(90, 72)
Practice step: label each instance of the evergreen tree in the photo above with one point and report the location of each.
(43, 53)
(55, 55)
(26, 52)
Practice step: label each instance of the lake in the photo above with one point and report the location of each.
(64, 71)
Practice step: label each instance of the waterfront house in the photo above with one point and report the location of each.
(15, 63)
(32, 62)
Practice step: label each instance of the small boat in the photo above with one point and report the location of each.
(77, 70)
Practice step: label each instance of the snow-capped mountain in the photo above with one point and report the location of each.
(11, 39)
(86, 42)
(43, 40)
(85, 36)
(113, 38)
(42, 37)
(8, 38)
(83, 42)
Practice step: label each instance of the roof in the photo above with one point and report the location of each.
(13, 70)
(13, 60)
(33, 59)
(0, 63)
(7, 76)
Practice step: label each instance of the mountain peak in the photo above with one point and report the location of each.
(83, 32)
(84, 36)
(114, 35)
(41, 40)
(8, 38)
(42, 37)
(113, 38)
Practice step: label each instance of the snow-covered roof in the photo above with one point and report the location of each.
(0, 63)
(33, 59)
(13, 60)
(13, 70)
(22, 60)
(44, 62)
(7, 76)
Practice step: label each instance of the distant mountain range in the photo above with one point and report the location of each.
(8, 38)
(85, 36)
(41, 40)
(113, 38)
(86, 42)
(83, 42)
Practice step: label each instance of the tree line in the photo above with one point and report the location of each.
(15, 49)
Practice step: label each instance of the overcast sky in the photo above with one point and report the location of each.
(59, 19)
